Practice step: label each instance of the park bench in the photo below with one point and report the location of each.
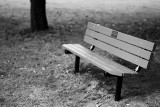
(129, 48)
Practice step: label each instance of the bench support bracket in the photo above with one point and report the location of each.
(67, 52)
(77, 60)
(118, 88)
(92, 47)
(138, 68)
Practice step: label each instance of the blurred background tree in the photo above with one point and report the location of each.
(38, 15)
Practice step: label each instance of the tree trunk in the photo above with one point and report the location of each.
(38, 15)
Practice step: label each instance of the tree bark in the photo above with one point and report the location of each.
(38, 15)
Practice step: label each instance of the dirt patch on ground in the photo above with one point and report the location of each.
(34, 71)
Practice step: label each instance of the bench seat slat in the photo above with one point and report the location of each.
(107, 65)
(97, 61)
(109, 61)
(115, 51)
(120, 44)
(123, 37)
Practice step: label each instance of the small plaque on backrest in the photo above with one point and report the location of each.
(114, 34)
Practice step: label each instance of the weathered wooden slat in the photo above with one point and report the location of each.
(99, 28)
(109, 62)
(98, 62)
(105, 64)
(120, 44)
(123, 37)
(115, 51)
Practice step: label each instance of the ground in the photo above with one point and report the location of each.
(35, 72)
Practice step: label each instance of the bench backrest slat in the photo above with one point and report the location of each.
(116, 43)
(120, 44)
(120, 53)
(121, 36)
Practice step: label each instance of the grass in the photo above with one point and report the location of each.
(34, 71)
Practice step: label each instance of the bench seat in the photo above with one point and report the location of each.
(103, 63)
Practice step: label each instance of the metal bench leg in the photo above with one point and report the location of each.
(118, 88)
(77, 60)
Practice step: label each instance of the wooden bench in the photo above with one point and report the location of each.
(129, 48)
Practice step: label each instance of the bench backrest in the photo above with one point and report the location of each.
(130, 48)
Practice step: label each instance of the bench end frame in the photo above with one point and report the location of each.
(118, 88)
(77, 61)
(67, 52)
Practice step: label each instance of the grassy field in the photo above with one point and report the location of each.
(35, 72)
